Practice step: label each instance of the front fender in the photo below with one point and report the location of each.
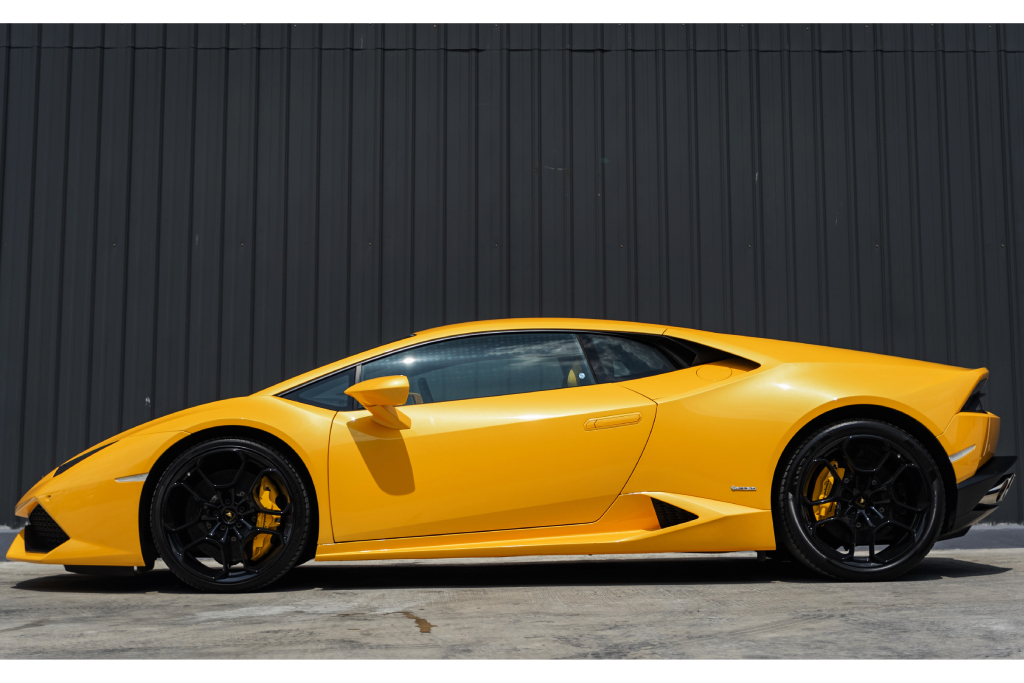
(97, 512)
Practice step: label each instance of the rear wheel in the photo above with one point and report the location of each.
(230, 515)
(860, 500)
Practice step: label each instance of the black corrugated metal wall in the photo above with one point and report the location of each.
(195, 212)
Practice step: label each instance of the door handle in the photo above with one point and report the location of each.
(612, 421)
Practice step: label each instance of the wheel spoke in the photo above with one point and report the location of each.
(849, 527)
(258, 530)
(837, 480)
(241, 467)
(210, 527)
(901, 526)
(197, 542)
(885, 458)
(871, 542)
(881, 516)
(192, 493)
(226, 566)
(833, 498)
(246, 567)
(908, 507)
(899, 470)
(199, 470)
(184, 526)
(845, 448)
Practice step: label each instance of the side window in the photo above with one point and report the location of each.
(616, 359)
(328, 392)
(487, 365)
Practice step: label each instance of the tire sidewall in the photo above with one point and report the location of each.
(281, 564)
(795, 536)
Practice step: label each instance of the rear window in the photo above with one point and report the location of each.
(616, 358)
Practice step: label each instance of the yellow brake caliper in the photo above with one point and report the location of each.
(822, 488)
(266, 495)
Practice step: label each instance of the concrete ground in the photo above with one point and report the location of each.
(960, 603)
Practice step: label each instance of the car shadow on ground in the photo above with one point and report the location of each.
(613, 572)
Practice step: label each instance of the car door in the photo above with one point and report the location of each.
(508, 431)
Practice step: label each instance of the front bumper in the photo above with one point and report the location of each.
(90, 517)
(979, 496)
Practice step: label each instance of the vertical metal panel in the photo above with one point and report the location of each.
(398, 190)
(240, 165)
(364, 211)
(193, 244)
(189, 213)
(460, 267)
(46, 226)
(20, 123)
(271, 196)
(334, 193)
(79, 252)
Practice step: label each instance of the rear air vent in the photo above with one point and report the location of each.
(974, 404)
(42, 533)
(670, 515)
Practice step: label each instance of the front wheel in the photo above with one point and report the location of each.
(860, 500)
(230, 515)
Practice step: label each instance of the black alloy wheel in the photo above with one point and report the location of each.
(860, 500)
(230, 515)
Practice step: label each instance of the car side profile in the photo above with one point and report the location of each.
(541, 436)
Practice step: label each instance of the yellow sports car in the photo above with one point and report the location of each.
(540, 437)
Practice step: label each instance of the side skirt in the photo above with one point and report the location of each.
(629, 526)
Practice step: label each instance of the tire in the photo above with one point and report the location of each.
(860, 500)
(230, 515)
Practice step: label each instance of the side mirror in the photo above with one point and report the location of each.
(380, 396)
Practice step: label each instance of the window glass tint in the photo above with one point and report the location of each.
(616, 359)
(328, 392)
(487, 365)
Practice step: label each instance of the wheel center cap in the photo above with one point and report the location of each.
(229, 516)
(861, 501)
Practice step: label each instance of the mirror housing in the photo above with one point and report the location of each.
(380, 396)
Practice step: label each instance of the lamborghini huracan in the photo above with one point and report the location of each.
(540, 437)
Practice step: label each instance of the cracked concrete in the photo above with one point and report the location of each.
(957, 604)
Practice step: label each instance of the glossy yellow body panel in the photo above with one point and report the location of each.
(100, 514)
(91, 501)
(564, 471)
(502, 462)
(712, 436)
(980, 430)
(630, 526)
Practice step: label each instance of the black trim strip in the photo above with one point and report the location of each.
(969, 508)
(971, 491)
(974, 404)
(74, 461)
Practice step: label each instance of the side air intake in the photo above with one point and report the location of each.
(42, 534)
(670, 515)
